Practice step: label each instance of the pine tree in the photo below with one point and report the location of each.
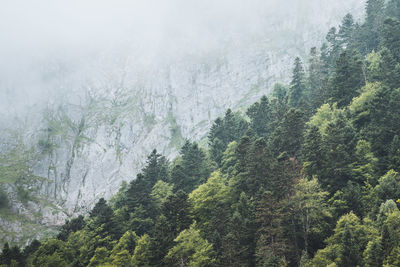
(297, 90)
(311, 151)
(192, 169)
(346, 31)
(156, 169)
(260, 114)
(330, 50)
(316, 81)
(239, 243)
(348, 78)
(103, 217)
(391, 37)
(71, 226)
(373, 23)
(288, 136)
(338, 146)
(223, 131)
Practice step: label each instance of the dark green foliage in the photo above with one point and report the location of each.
(338, 148)
(102, 216)
(3, 198)
(6, 255)
(192, 169)
(260, 114)
(297, 89)
(391, 37)
(373, 24)
(223, 131)
(71, 226)
(288, 135)
(311, 151)
(346, 31)
(239, 242)
(348, 78)
(31, 248)
(317, 81)
(174, 219)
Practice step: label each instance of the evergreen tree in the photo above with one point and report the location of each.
(239, 244)
(373, 24)
(311, 152)
(391, 38)
(347, 79)
(288, 135)
(71, 226)
(192, 170)
(338, 146)
(297, 90)
(223, 131)
(260, 115)
(317, 94)
(102, 216)
(346, 31)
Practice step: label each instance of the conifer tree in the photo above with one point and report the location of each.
(373, 23)
(316, 80)
(346, 31)
(391, 38)
(297, 90)
(347, 79)
(260, 115)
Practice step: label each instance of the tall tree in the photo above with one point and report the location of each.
(391, 37)
(346, 31)
(373, 23)
(260, 115)
(317, 94)
(297, 90)
(192, 169)
(347, 79)
(223, 131)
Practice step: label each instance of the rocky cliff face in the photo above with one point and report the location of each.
(96, 131)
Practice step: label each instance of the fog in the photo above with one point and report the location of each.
(49, 48)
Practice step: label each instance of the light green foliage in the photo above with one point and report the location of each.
(100, 257)
(208, 197)
(326, 114)
(384, 210)
(53, 253)
(126, 242)
(366, 163)
(161, 191)
(389, 186)
(310, 207)
(229, 159)
(346, 245)
(191, 249)
(142, 254)
(361, 105)
(373, 61)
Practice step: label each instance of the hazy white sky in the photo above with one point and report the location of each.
(38, 38)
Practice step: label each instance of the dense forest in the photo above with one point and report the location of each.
(308, 176)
